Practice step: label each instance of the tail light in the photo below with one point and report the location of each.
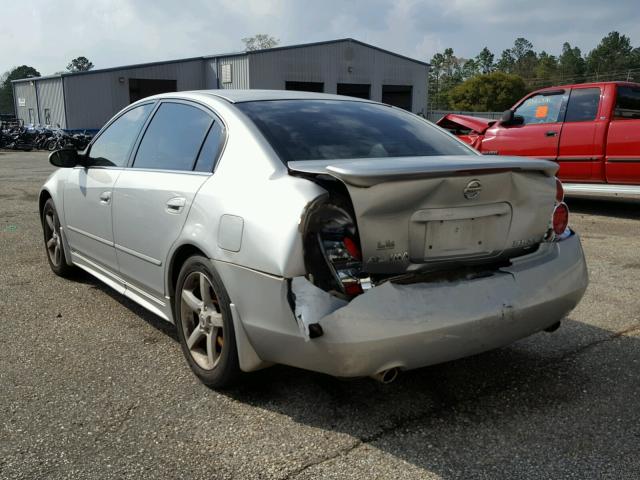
(560, 218)
(559, 191)
(345, 260)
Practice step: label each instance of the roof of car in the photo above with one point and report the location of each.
(238, 96)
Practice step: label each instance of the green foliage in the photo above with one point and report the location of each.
(613, 54)
(450, 84)
(259, 42)
(492, 92)
(6, 90)
(80, 64)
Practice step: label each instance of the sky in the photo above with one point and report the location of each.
(47, 35)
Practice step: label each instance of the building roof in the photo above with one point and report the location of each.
(222, 55)
(239, 96)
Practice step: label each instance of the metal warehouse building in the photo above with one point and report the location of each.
(86, 100)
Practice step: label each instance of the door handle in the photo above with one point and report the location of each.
(551, 133)
(176, 204)
(105, 197)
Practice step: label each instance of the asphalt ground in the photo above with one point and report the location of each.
(93, 386)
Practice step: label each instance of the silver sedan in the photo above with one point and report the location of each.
(324, 232)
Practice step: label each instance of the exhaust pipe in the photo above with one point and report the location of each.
(386, 376)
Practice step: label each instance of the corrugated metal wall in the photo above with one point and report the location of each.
(343, 62)
(25, 91)
(239, 65)
(94, 98)
(51, 97)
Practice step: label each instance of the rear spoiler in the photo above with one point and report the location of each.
(368, 172)
(454, 121)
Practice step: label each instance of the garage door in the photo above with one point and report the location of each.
(145, 87)
(397, 95)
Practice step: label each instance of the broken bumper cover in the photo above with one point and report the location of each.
(411, 326)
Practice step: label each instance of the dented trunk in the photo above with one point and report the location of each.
(425, 213)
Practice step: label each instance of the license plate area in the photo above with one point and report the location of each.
(438, 234)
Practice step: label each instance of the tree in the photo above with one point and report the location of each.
(507, 61)
(546, 70)
(613, 55)
(6, 89)
(80, 64)
(484, 61)
(445, 73)
(259, 42)
(493, 92)
(571, 65)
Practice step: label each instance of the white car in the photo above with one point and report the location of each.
(324, 232)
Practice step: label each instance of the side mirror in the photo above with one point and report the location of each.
(507, 117)
(65, 158)
(510, 118)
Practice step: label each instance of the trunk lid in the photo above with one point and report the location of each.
(419, 212)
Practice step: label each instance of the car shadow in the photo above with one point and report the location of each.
(158, 323)
(627, 209)
(506, 408)
(516, 412)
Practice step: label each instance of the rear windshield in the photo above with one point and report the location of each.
(334, 129)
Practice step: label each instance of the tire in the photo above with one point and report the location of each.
(53, 241)
(207, 336)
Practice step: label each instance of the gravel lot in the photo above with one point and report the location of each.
(93, 386)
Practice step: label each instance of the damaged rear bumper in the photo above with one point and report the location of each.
(411, 326)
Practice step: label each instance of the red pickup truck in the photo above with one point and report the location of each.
(592, 130)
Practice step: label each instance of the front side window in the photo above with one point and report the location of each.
(583, 105)
(541, 108)
(113, 145)
(333, 129)
(174, 137)
(627, 103)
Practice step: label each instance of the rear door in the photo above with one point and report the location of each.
(582, 141)
(88, 190)
(538, 136)
(623, 141)
(152, 198)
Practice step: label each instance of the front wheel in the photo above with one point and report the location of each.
(205, 324)
(53, 240)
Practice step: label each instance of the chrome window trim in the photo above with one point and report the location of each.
(192, 103)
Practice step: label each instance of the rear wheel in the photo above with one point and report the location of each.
(53, 240)
(205, 324)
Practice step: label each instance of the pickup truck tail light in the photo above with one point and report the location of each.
(560, 218)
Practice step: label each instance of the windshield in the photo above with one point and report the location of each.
(334, 129)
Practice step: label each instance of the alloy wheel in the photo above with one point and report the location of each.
(52, 237)
(201, 320)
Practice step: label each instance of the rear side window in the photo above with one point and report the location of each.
(209, 152)
(112, 147)
(627, 103)
(583, 105)
(173, 138)
(333, 129)
(541, 108)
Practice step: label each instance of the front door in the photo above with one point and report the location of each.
(153, 197)
(539, 134)
(88, 192)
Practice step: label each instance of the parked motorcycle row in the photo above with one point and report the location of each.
(37, 137)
